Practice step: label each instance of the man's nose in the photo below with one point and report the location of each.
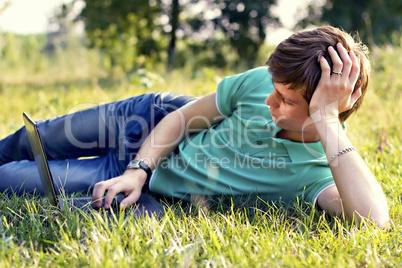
(270, 100)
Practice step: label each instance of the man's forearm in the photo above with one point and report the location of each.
(163, 139)
(360, 192)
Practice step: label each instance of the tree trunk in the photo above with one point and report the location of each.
(174, 22)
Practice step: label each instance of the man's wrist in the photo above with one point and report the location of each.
(323, 117)
(140, 164)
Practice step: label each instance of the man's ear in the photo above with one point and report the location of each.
(355, 95)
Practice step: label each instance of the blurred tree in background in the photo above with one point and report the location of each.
(375, 20)
(245, 23)
(125, 30)
(239, 24)
(61, 29)
(188, 33)
(129, 30)
(17, 51)
(173, 11)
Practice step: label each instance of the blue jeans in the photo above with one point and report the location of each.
(85, 147)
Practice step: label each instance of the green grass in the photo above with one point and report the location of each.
(237, 233)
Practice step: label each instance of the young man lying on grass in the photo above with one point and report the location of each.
(275, 131)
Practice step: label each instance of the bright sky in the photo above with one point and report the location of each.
(31, 16)
(27, 16)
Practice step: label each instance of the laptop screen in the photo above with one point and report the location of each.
(40, 159)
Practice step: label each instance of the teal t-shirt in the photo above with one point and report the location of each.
(240, 154)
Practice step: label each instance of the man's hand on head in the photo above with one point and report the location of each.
(335, 91)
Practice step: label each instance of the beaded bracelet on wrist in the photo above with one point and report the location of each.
(344, 151)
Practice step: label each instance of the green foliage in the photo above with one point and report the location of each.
(213, 53)
(375, 20)
(61, 33)
(24, 59)
(126, 31)
(245, 22)
(131, 34)
(239, 27)
(22, 51)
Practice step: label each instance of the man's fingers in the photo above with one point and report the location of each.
(345, 58)
(99, 191)
(130, 199)
(355, 71)
(336, 60)
(112, 191)
(325, 68)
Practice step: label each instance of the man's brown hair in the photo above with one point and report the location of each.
(295, 61)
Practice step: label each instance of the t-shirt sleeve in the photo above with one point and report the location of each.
(233, 89)
(227, 94)
(315, 181)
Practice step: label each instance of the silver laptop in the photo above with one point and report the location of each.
(145, 204)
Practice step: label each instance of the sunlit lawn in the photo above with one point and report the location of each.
(244, 234)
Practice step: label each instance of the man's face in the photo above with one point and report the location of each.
(289, 109)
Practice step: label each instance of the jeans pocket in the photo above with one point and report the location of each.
(170, 102)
